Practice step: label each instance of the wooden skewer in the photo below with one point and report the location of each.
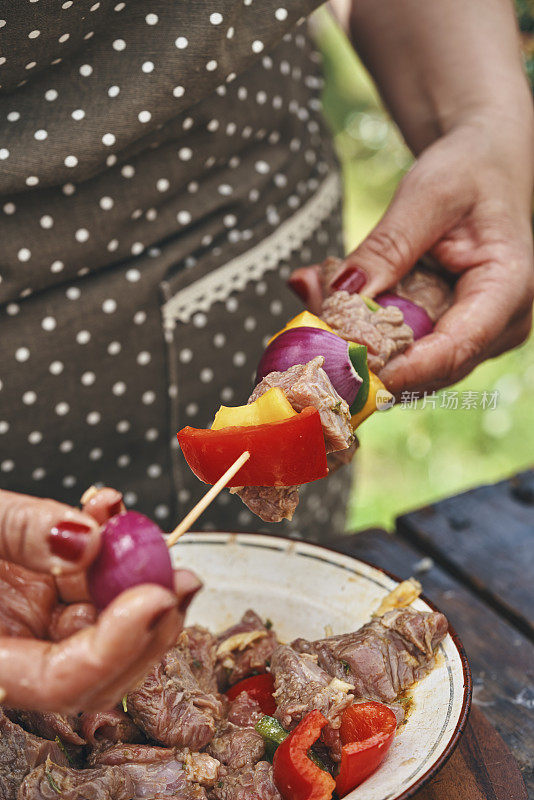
(204, 502)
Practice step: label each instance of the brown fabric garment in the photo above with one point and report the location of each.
(130, 169)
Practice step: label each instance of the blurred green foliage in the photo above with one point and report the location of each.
(411, 457)
(525, 15)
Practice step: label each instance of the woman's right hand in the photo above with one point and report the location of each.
(45, 548)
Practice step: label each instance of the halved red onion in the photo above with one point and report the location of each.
(414, 316)
(133, 551)
(300, 345)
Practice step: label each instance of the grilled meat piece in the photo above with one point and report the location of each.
(49, 780)
(270, 503)
(341, 457)
(119, 754)
(384, 331)
(161, 771)
(237, 747)
(237, 744)
(47, 725)
(428, 289)
(244, 711)
(171, 707)
(162, 779)
(309, 385)
(109, 727)
(201, 768)
(385, 656)
(244, 649)
(302, 686)
(201, 646)
(20, 752)
(304, 385)
(251, 783)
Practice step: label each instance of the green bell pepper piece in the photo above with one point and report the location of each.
(371, 304)
(274, 734)
(358, 357)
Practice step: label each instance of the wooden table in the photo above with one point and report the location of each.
(474, 555)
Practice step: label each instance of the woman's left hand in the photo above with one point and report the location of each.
(467, 201)
(56, 652)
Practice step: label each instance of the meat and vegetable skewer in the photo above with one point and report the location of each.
(317, 381)
(315, 385)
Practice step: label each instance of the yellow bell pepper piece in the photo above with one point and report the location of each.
(273, 406)
(375, 385)
(304, 320)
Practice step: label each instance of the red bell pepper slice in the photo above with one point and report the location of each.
(260, 688)
(284, 453)
(296, 777)
(367, 731)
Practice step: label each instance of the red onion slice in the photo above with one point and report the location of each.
(414, 316)
(133, 552)
(300, 345)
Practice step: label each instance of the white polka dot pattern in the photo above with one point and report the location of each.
(106, 234)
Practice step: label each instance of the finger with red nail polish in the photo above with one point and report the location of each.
(46, 536)
(186, 586)
(351, 280)
(68, 540)
(102, 504)
(300, 287)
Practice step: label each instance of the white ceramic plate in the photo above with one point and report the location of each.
(304, 589)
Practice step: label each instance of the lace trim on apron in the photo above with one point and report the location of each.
(254, 263)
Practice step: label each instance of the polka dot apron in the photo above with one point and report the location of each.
(163, 168)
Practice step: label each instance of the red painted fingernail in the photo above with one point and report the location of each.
(187, 599)
(69, 539)
(116, 508)
(351, 280)
(104, 504)
(300, 287)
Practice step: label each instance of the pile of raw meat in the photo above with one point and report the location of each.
(178, 735)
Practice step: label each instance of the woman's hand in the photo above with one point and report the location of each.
(450, 73)
(467, 202)
(45, 549)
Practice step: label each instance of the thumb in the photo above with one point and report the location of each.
(96, 664)
(416, 219)
(46, 536)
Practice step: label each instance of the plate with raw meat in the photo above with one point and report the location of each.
(399, 651)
